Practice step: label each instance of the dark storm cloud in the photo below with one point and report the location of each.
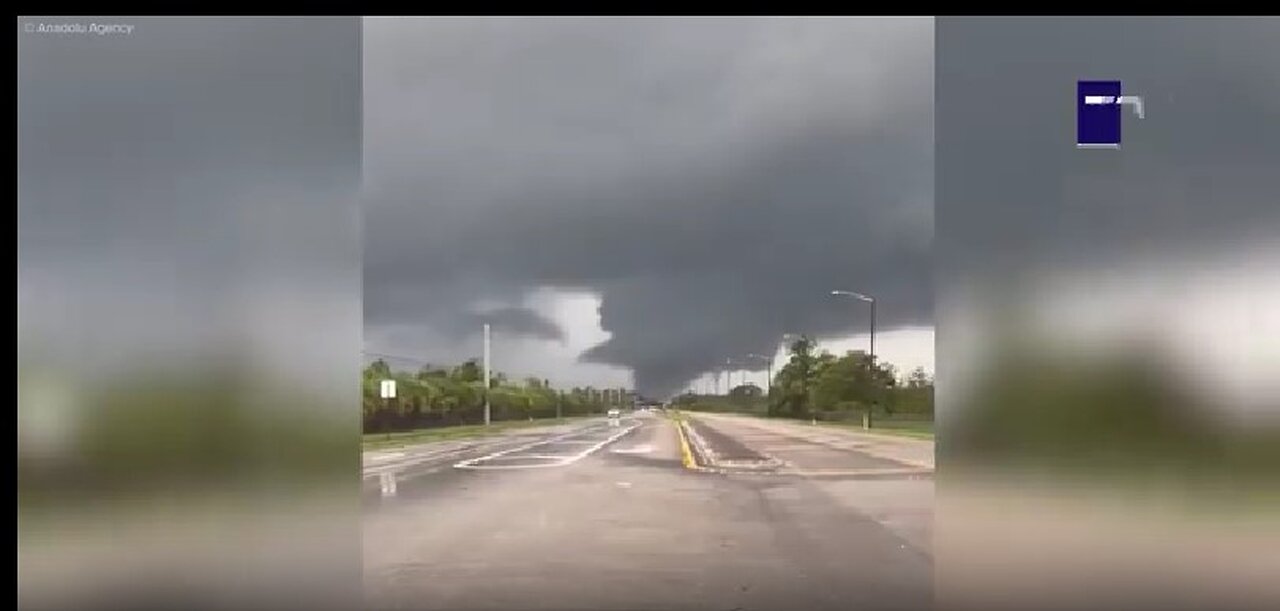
(187, 228)
(175, 180)
(516, 321)
(711, 179)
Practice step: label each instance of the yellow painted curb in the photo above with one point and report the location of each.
(686, 454)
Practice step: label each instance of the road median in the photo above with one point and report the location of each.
(708, 450)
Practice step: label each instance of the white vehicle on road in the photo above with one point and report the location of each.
(614, 415)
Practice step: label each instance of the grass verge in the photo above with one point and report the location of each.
(914, 429)
(382, 441)
(917, 429)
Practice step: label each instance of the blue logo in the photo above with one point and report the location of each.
(1098, 113)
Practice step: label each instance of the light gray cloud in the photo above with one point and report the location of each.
(710, 179)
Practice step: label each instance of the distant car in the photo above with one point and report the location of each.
(615, 413)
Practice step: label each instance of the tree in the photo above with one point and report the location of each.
(918, 378)
(429, 372)
(843, 384)
(745, 395)
(379, 369)
(916, 394)
(852, 382)
(794, 380)
(469, 371)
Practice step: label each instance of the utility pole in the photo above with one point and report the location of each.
(768, 380)
(487, 371)
(871, 362)
(768, 368)
(873, 334)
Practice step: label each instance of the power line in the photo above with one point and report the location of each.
(401, 357)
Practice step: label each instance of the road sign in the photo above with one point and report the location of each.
(388, 389)
(1098, 113)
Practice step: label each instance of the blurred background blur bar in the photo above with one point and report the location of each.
(189, 312)
(1108, 345)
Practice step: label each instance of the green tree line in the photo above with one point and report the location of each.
(822, 385)
(812, 384)
(438, 396)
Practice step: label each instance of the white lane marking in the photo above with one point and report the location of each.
(534, 444)
(420, 457)
(611, 439)
(384, 457)
(388, 484)
(537, 465)
(644, 449)
(564, 460)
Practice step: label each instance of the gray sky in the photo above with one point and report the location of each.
(1167, 247)
(704, 181)
(187, 189)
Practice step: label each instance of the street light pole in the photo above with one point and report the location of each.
(487, 371)
(873, 333)
(871, 363)
(768, 366)
(872, 301)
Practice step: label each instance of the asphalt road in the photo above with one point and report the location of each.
(594, 516)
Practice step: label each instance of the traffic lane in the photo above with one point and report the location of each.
(555, 451)
(897, 495)
(914, 452)
(382, 483)
(630, 528)
(655, 444)
(423, 479)
(450, 520)
(800, 452)
(399, 458)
